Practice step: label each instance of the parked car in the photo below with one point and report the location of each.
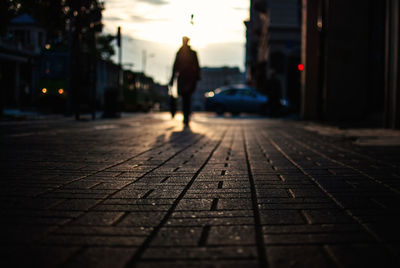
(236, 99)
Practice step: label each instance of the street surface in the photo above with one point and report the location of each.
(141, 191)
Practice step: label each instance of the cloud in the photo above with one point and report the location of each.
(158, 66)
(142, 19)
(220, 54)
(112, 18)
(241, 8)
(155, 2)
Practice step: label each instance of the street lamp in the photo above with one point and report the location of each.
(144, 59)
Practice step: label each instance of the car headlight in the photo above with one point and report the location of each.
(209, 94)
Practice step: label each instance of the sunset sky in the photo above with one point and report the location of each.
(155, 28)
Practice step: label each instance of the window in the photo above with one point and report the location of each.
(229, 92)
(19, 36)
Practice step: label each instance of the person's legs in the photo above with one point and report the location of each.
(186, 99)
(172, 106)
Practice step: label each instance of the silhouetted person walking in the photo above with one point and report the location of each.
(187, 70)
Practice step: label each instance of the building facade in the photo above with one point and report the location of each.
(350, 51)
(20, 62)
(273, 46)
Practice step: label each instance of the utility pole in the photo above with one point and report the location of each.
(75, 56)
(120, 74)
(92, 70)
(119, 47)
(69, 83)
(144, 61)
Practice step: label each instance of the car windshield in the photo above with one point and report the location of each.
(248, 93)
(235, 90)
(229, 92)
(53, 66)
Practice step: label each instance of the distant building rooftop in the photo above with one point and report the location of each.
(24, 19)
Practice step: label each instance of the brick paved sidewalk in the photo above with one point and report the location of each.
(142, 192)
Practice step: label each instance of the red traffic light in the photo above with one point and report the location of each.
(300, 67)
